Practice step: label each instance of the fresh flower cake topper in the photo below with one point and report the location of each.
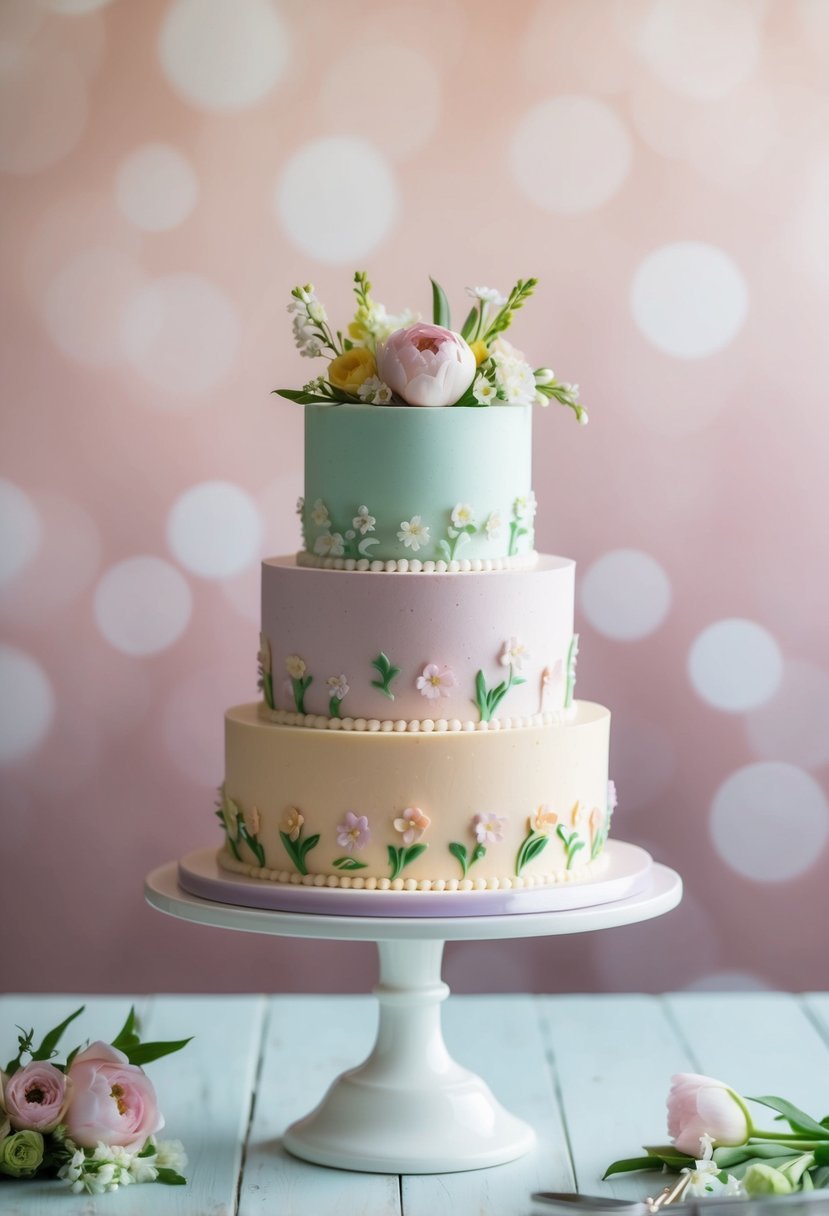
(718, 1151)
(90, 1121)
(401, 360)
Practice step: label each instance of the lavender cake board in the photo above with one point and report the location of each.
(627, 872)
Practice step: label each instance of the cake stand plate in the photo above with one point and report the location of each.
(626, 870)
(409, 1108)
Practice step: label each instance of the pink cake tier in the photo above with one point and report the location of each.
(463, 811)
(461, 649)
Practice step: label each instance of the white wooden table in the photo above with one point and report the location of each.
(589, 1072)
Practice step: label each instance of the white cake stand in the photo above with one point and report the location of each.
(409, 1108)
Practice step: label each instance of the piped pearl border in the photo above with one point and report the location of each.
(346, 882)
(423, 726)
(405, 565)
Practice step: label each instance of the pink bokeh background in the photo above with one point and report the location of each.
(169, 171)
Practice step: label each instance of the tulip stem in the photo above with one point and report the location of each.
(783, 1138)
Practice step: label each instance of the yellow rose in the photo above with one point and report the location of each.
(350, 369)
(479, 350)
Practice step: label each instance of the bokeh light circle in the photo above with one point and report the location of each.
(626, 594)
(84, 304)
(181, 333)
(20, 530)
(735, 665)
(223, 55)
(142, 605)
(156, 187)
(214, 529)
(47, 87)
(704, 49)
(336, 225)
(570, 154)
(689, 299)
(769, 821)
(27, 704)
(794, 724)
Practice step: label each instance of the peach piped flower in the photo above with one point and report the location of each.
(544, 820)
(292, 823)
(412, 824)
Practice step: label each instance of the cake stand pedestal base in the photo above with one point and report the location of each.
(409, 1108)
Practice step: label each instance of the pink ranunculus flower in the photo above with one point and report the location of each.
(701, 1106)
(426, 364)
(113, 1101)
(36, 1097)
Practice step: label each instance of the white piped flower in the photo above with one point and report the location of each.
(414, 533)
(363, 522)
(338, 686)
(514, 654)
(329, 544)
(295, 666)
(492, 527)
(463, 515)
(319, 514)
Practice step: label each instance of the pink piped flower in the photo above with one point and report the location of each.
(353, 832)
(488, 829)
(36, 1097)
(435, 682)
(426, 364)
(113, 1101)
(412, 824)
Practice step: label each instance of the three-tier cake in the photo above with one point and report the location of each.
(417, 729)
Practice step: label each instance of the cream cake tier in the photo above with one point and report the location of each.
(463, 647)
(389, 484)
(440, 810)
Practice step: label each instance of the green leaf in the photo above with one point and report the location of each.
(309, 843)
(412, 853)
(796, 1118)
(348, 863)
(145, 1053)
(627, 1164)
(822, 1154)
(469, 323)
(440, 306)
(50, 1041)
(459, 851)
(481, 696)
(293, 852)
(669, 1155)
(820, 1177)
(170, 1177)
(478, 852)
(301, 397)
(395, 860)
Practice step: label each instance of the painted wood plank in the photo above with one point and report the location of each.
(309, 1041)
(757, 1042)
(499, 1038)
(816, 1005)
(613, 1057)
(203, 1091)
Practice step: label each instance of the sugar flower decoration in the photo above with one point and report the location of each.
(296, 666)
(414, 533)
(319, 514)
(435, 682)
(524, 506)
(329, 544)
(264, 656)
(362, 521)
(374, 392)
(463, 515)
(338, 686)
(493, 525)
(412, 824)
(253, 820)
(513, 654)
(353, 832)
(544, 820)
(612, 800)
(488, 829)
(292, 823)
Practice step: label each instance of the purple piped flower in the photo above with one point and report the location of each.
(353, 832)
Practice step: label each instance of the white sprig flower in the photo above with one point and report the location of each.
(484, 391)
(488, 295)
(170, 1155)
(363, 522)
(414, 533)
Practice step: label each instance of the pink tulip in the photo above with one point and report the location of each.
(36, 1097)
(426, 364)
(113, 1101)
(700, 1106)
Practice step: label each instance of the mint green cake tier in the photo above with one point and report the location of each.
(405, 469)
